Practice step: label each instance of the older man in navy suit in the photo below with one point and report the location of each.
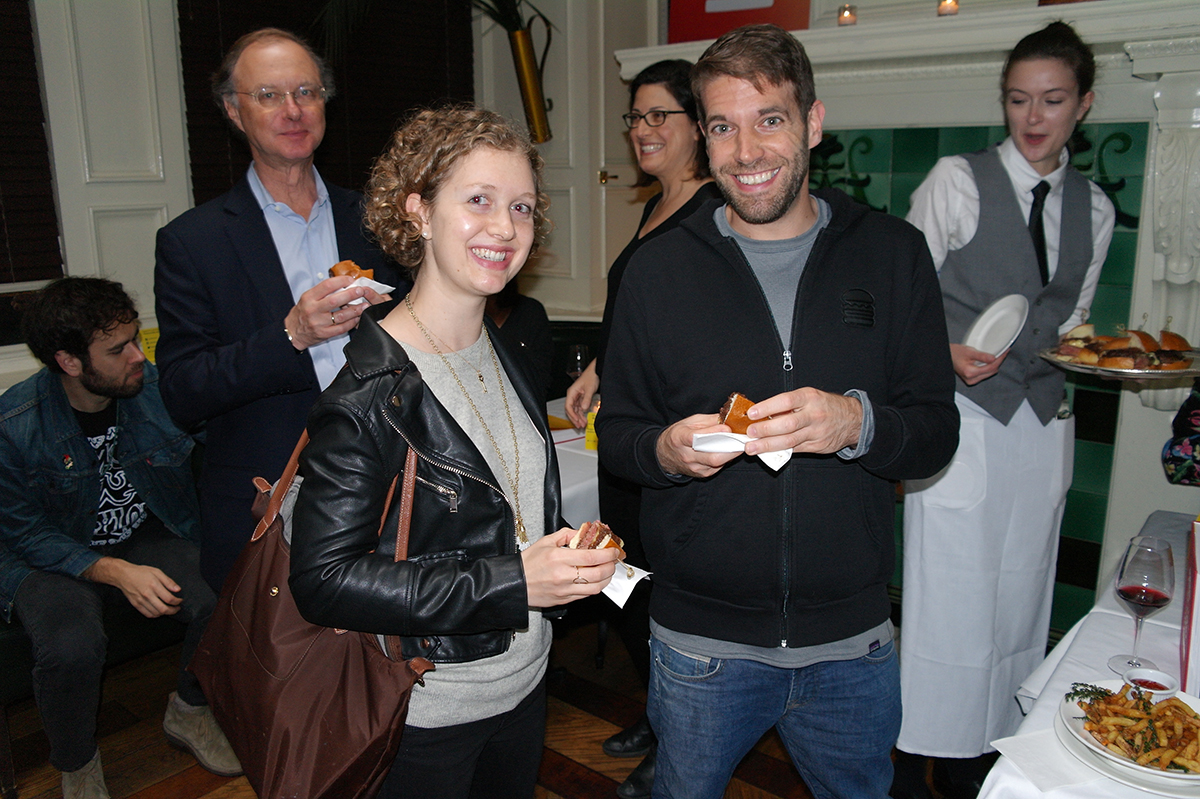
(251, 325)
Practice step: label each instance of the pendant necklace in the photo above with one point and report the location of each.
(512, 483)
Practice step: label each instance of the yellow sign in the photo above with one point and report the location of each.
(149, 336)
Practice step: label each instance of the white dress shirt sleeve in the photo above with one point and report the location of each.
(945, 207)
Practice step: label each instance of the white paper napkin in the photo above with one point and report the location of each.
(735, 442)
(1042, 758)
(368, 283)
(624, 579)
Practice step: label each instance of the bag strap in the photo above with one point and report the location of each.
(281, 488)
(406, 501)
(391, 645)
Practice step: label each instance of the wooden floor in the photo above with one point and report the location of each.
(586, 705)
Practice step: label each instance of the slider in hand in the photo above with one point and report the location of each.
(733, 413)
(352, 269)
(597, 535)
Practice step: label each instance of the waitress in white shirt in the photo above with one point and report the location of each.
(981, 537)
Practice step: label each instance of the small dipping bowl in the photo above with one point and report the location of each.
(1159, 683)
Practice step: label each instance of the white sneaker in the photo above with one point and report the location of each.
(87, 782)
(195, 729)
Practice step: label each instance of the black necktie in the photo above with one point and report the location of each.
(1036, 231)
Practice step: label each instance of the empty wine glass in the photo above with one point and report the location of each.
(1145, 583)
(577, 360)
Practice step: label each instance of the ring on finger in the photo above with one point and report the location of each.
(579, 578)
(332, 318)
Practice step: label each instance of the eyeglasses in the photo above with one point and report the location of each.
(303, 96)
(652, 118)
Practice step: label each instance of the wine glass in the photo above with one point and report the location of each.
(577, 360)
(1145, 583)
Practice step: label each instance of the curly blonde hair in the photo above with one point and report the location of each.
(423, 152)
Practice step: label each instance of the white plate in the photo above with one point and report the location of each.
(995, 330)
(1072, 718)
(1084, 754)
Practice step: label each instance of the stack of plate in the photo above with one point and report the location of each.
(1068, 726)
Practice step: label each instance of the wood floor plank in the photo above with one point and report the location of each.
(570, 779)
(193, 782)
(577, 735)
(234, 789)
(604, 703)
(775, 777)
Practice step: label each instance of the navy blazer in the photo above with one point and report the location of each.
(226, 364)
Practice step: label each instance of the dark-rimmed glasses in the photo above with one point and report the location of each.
(303, 96)
(651, 118)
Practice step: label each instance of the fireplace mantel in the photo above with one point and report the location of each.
(1160, 30)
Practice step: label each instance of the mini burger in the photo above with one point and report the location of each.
(733, 413)
(595, 535)
(350, 268)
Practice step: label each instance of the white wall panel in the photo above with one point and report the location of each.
(114, 67)
(119, 235)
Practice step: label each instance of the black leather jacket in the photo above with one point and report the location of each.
(461, 593)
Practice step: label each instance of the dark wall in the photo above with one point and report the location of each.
(28, 221)
(403, 54)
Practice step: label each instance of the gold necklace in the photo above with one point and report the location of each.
(512, 484)
(478, 370)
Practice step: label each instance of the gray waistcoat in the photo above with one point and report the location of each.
(1000, 260)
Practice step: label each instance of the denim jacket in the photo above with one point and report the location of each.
(50, 477)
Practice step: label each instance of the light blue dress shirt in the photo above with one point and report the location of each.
(307, 248)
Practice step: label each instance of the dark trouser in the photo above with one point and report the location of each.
(496, 758)
(620, 506)
(64, 618)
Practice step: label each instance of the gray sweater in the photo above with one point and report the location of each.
(456, 693)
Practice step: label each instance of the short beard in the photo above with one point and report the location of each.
(763, 212)
(104, 388)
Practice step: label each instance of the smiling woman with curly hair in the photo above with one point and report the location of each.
(423, 153)
(457, 198)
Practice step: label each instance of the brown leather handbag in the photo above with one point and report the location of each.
(310, 711)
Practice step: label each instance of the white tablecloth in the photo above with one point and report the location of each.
(1082, 656)
(577, 471)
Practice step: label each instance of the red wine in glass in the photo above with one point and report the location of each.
(1144, 583)
(1142, 601)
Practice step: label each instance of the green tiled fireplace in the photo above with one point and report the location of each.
(882, 167)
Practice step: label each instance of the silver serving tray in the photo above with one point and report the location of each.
(1126, 374)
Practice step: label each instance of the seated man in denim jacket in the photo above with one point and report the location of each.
(96, 504)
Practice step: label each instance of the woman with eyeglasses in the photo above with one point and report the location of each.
(665, 133)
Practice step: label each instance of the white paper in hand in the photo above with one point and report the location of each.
(624, 579)
(368, 283)
(736, 442)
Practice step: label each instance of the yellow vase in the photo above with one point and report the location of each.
(529, 78)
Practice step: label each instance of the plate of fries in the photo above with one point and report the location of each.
(1135, 737)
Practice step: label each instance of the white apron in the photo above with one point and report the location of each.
(980, 544)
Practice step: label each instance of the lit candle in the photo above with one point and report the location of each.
(947, 7)
(848, 14)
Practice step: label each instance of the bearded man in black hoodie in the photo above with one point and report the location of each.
(770, 603)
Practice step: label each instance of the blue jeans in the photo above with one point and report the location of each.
(839, 721)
